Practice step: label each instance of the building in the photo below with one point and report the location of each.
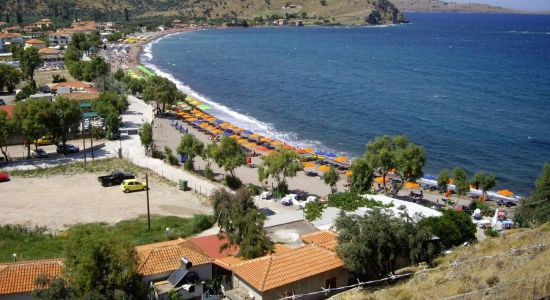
(17, 279)
(6, 39)
(83, 27)
(297, 271)
(38, 44)
(52, 56)
(60, 38)
(43, 24)
(72, 87)
(177, 265)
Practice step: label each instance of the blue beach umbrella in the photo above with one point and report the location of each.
(197, 122)
(430, 177)
(246, 132)
(217, 122)
(330, 155)
(227, 133)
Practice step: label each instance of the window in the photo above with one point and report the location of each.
(330, 283)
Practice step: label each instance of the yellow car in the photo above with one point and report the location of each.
(43, 141)
(131, 185)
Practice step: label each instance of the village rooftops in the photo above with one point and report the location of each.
(72, 85)
(212, 244)
(230, 262)
(325, 238)
(275, 270)
(80, 96)
(35, 42)
(8, 109)
(166, 256)
(49, 51)
(19, 277)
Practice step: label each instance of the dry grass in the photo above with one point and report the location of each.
(482, 274)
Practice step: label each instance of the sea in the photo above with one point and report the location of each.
(472, 89)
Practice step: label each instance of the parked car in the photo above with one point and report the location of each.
(289, 199)
(4, 177)
(131, 185)
(302, 204)
(2, 102)
(67, 149)
(266, 195)
(115, 178)
(39, 153)
(43, 141)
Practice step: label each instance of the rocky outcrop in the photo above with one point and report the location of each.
(385, 12)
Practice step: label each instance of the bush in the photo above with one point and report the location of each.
(492, 280)
(56, 78)
(253, 189)
(281, 189)
(490, 232)
(349, 201)
(26, 91)
(188, 165)
(233, 182)
(156, 153)
(98, 133)
(208, 173)
(170, 158)
(453, 228)
(202, 222)
(314, 210)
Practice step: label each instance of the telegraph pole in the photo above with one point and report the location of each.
(83, 141)
(147, 192)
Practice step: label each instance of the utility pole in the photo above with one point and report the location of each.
(83, 141)
(92, 142)
(147, 192)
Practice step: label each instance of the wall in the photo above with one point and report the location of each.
(311, 284)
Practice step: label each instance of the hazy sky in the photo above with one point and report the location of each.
(517, 4)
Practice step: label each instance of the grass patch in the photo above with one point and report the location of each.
(36, 243)
(100, 165)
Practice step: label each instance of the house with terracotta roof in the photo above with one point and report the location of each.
(38, 44)
(297, 271)
(52, 56)
(59, 38)
(17, 279)
(71, 87)
(6, 39)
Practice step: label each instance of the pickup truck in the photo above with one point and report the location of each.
(115, 178)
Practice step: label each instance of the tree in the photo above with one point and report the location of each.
(396, 153)
(229, 155)
(146, 137)
(331, 178)
(453, 228)
(52, 289)
(280, 165)
(29, 61)
(241, 223)
(161, 90)
(136, 85)
(100, 262)
(9, 77)
(191, 147)
(68, 115)
(362, 176)
(28, 117)
(484, 182)
(208, 154)
(462, 186)
(535, 210)
(443, 179)
(7, 130)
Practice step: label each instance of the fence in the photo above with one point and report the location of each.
(524, 289)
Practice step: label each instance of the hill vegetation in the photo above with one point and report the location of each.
(335, 11)
(445, 6)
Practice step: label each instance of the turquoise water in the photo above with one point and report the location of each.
(473, 89)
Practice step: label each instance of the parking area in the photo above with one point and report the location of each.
(59, 201)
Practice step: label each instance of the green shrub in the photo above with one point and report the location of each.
(169, 157)
(188, 165)
(233, 182)
(253, 189)
(98, 133)
(314, 210)
(349, 201)
(281, 189)
(202, 222)
(490, 232)
(208, 173)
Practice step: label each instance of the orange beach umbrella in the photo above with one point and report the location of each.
(341, 159)
(309, 164)
(381, 179)
(506, 193)
(412, 185)
(276, 143)
(349, 173)
(324, 168)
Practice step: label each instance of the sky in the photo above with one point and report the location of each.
(515, 4)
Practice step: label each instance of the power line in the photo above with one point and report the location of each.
(512, 251)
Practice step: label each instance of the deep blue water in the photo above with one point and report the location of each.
(473, 89)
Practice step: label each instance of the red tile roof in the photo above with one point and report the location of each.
(326, 239)
(34, 42)
(72, 84)
(19, 277)
(49, 51)
(166, 256)
(8, 109)
(211, 245)
(275, 270)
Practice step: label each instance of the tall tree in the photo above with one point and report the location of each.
(331, 178)
(146, 137)
(52, 289)
(396, 153)
(362, 175)
(7, 130)
(100, 262)
(443, 179)
(460, 178)
(535, 210)
(241, 222)
(28, 117)
(162, 91)
(12, 79)
(68, 115)
(191, 147)
(229, 155)
(29, 61)
(484, 182)
(280, 165)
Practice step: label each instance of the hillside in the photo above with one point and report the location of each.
(443, 6)
(502, 267)
(343, 11)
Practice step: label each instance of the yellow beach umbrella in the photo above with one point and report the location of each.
(276, 143)
(324, 168)
(349, 173)
(506, 193)
(242, 141)
(381, 179)
(309, 164)
(266, 140)
(412, 185)
(251, 145)
(235, 137)
(341, 159)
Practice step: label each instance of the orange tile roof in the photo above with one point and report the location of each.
(34, 42)
(275, 270)
(72, 84)
(166, 256)
(8, 109)
(326, 239)
(49, 51)
(231, 262)
(81, 96)
(211, 245)
(19, 277)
